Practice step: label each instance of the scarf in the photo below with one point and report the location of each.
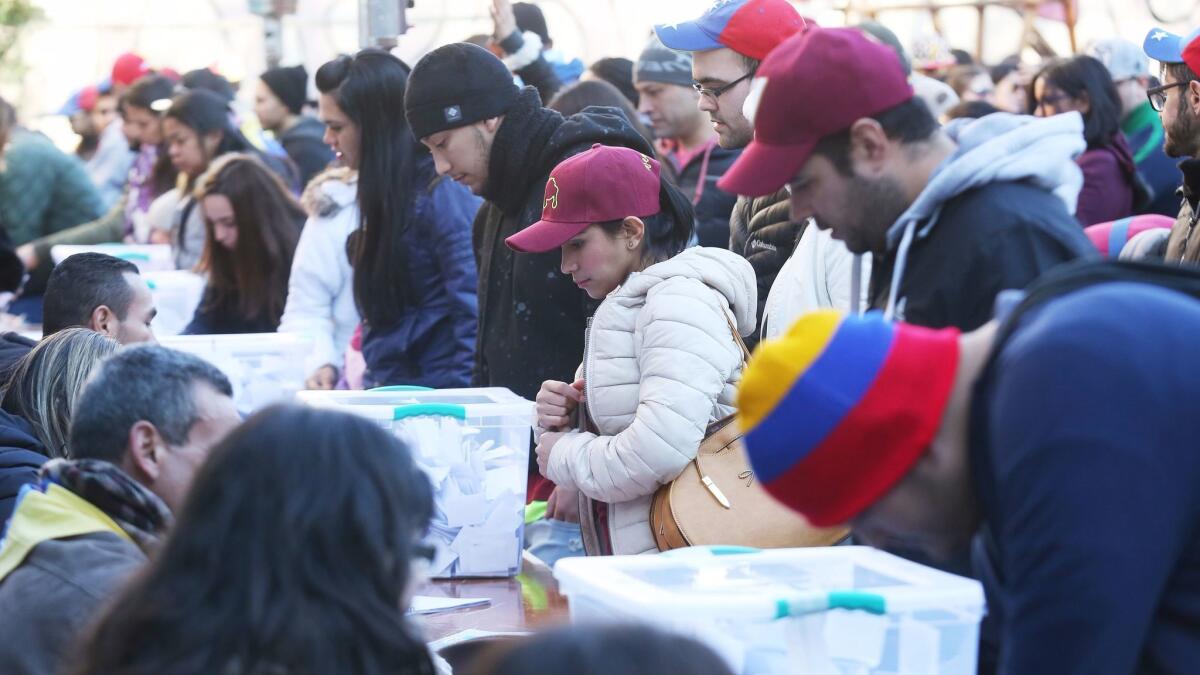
(518, 151)
(137, 510)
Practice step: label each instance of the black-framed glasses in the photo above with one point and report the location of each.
(716, 92)
(1158, 95)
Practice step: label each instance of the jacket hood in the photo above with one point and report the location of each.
(330, 191)
(999, 148)
(723, 271)
(532, 140)
(594, 124)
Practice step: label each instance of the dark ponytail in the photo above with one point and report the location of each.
(668, 231)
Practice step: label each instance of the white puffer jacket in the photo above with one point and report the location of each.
(320, 300)
(661, 365)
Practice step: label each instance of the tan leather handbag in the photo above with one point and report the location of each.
(717, 501)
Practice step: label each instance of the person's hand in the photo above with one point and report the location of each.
(324, 378)
(503, 19)
(563, 505)
(555, 403)
(544, 447)
(28, 257)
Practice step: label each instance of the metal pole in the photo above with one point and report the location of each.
(381, 22)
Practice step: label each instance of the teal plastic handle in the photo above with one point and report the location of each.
(402, 387)
(429, 409)
(140, 257)
(712, 550)
(867, 602)
(811, 603)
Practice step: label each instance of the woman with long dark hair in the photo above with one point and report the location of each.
(1112, 187)
(251, 226)
(414, 266)
(663, 354)
(198, 128)
(295, 552)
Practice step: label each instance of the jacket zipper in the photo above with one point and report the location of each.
(589, 526)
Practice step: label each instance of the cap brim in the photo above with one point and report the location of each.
(543, 236)
(686, 37)
(764, 169)
(1163, 46)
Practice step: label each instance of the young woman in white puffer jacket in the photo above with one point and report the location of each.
(661, 361)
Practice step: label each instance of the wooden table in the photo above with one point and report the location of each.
(530, 600)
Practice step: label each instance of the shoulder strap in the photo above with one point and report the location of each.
(737, 337)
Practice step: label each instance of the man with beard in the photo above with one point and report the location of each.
(951, 217)
(727, 44)
(1177, 101)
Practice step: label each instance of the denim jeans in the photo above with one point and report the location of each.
(550, 540)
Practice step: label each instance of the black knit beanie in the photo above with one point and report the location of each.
(456, 85)
(290, 85)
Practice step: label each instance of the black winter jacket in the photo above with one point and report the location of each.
(21, 455)
(532, 317)
(761, 230)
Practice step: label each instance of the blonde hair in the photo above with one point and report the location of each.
(47, 381)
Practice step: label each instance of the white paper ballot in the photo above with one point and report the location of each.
(428, 604)
(462, 510)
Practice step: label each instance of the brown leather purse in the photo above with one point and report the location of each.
(717, 501)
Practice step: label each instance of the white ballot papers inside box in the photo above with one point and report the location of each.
(474, 446)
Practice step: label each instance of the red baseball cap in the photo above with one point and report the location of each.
(602, 184)
(815, 84)
(749, 27)
(128, 68)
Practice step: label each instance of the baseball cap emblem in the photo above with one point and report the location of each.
(646, 163)
(551, 194)
(453, 113)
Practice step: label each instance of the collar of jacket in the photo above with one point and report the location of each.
(516, 157)
(1191, 180)
(56, 513)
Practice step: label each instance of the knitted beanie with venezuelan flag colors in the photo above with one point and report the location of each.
(836, 411)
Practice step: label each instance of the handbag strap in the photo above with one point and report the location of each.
(737, 338)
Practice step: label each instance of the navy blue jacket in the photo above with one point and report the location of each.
(21, 455)
(433, 342)
(1086, 464)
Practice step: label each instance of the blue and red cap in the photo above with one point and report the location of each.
(836, 412)
(1167, 47)
(749, 27)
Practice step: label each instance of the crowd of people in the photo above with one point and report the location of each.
(916, 243)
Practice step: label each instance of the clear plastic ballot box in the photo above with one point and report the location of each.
(264, 368)
(837, 610)
(474, 446)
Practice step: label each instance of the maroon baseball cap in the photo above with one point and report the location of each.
(815, 84)
(602, 184)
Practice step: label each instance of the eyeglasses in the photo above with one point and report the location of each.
(1158, 95)
(716, 92)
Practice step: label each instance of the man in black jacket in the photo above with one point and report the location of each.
(951, 217)
(499, 141)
